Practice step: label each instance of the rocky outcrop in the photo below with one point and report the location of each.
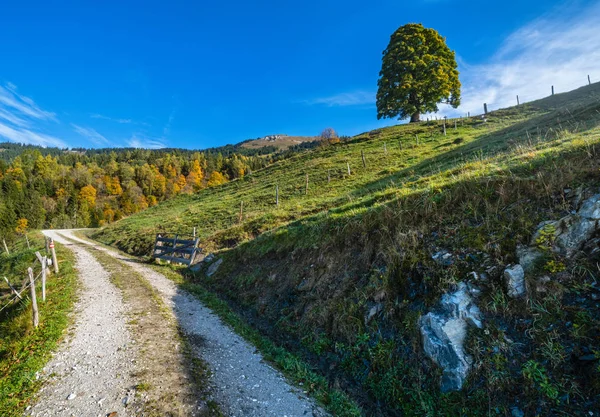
(515, 281)
(444, 332)
(570, 233)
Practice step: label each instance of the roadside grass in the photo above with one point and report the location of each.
(314, 267)
(23, 350)
(395, 166)
(292, 366)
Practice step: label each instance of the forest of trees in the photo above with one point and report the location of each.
(55, 188)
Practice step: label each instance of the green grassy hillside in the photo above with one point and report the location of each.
(308, 272)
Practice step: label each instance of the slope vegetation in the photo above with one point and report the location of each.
(340, 271)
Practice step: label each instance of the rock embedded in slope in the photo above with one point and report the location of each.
(212, 269)
(444, 332)
(515, 281)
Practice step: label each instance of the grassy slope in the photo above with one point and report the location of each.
(308, 271)
(23, 350)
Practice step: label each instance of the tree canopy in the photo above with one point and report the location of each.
(418, 72)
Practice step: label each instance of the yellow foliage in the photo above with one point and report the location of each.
(216, 178)
(21, 226)
(88, 195)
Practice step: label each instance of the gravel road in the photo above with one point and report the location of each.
(90, 374)
(244, 385)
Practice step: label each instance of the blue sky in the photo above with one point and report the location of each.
(202, 74)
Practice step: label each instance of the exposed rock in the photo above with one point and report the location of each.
(571, 233)
(71, 396)
(373, 311)
(590, 209)
(444, 332)
(528, 257)
(213, 268)
(443, 258)
(515, 281)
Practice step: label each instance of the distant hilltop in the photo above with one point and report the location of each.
(280, 141)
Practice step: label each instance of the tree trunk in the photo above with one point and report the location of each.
(416, 117)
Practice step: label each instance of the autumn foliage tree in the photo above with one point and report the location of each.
(418, 72)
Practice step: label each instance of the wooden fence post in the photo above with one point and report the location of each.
(44, 261)
(27, 240)
(54, 260)
(518, 100)
(277, 195)
(552, 90)
(484, 108)
(5, 247)
(455, 124)
(241, 211)
(328, 176)
(444, 126)
(34, 307)
(401, 144)
(589, 81)
(306, 188)
(348, 164)
(194, 233)
(384, 148)
(12, 289)
(362, 154)
(417, 139)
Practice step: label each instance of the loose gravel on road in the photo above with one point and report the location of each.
(244, 384)
(90, 374)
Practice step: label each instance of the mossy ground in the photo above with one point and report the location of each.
(308, 271)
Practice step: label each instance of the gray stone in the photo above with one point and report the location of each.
(213, 268)
(71, 396)
(528, 257)
(443, 258)
(515, 281)
(590, 209)
(444, 332)
(571, 234)
(373, 311)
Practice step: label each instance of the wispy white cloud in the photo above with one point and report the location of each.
(112, 119)
(355, 98)
(91, 134)
(559, 49)
(11, 99)
(140, 141)
(18, 135)
(21, 119)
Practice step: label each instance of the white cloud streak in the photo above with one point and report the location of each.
(90, 134)
(17, 135)
(103, 117)
(138, 141)
(560, 49)
(19, 115)
(355, 98)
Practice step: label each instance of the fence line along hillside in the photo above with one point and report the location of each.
(21, 286)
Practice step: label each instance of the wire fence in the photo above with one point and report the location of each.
(31, 282)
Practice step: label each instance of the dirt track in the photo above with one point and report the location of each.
(243, 384)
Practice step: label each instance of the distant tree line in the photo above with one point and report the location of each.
(59, 188)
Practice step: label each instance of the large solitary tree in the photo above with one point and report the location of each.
(418, 72)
